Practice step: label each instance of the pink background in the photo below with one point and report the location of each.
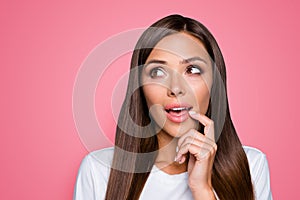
(44, 44)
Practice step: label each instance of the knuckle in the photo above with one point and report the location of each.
(211, 122)
(206, 154)
(213, 150)
(206, 140)
(187, 140)
(186, 146)
(193, 148)
(215, 146)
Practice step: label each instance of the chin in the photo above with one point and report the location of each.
(177, 130)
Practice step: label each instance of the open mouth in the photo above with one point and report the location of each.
(177, 112)
(178, 109)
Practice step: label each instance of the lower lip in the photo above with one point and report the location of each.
(178, 117)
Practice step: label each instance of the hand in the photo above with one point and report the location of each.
(202, 150)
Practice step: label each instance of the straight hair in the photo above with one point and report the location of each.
(231, 177)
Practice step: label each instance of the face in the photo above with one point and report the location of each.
(177, 78)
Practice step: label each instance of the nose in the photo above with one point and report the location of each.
(176, 86)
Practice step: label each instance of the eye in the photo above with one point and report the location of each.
(193, 69)
(157, 72)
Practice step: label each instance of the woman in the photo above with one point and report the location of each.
(175, 138)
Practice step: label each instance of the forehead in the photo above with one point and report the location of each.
(181, 45)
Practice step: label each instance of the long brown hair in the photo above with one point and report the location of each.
(231, 174)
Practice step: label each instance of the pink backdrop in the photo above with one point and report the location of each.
(44, 44)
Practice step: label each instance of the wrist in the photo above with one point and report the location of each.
(204, 194)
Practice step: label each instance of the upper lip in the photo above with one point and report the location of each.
(178, 106)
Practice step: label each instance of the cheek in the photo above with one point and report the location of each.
(153, 94)
(202, 95)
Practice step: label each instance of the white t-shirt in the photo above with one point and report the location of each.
(95, 168)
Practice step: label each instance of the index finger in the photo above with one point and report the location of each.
(208, 124)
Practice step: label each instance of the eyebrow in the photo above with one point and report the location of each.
(184, 61)
(155, 62)
(197, 58)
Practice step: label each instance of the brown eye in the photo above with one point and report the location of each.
(157, 73)
(193, 69)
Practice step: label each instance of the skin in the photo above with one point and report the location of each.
(170, 76)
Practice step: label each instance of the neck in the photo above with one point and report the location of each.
(166, 154)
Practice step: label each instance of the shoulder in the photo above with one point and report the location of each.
(101, 157)
(259, 170)
(257, 161)
(95, 160)
(255, 157)
(93, 175)
(253, 154)
(98, 161)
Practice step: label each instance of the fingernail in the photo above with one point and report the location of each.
(177, 158)
(181, 160)
(192, 112)
(176, 149)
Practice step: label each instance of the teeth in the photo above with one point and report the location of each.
(178, 109)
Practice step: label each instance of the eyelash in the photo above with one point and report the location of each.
(155, 70)
(190, 67)
(195, 67)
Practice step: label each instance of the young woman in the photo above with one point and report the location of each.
(175, 138)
